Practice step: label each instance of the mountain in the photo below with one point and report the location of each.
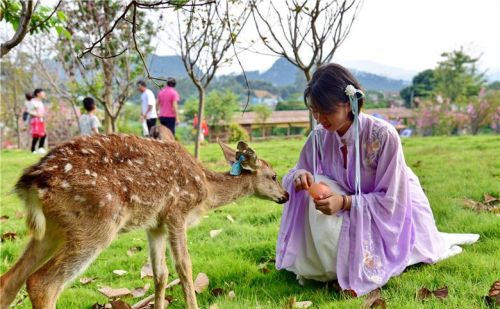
(379, 69)
(283, 73)
(166, 66)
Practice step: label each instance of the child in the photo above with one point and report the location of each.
(373, 218)
(89, 123)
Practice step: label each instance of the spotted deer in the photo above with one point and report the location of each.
(85, 191)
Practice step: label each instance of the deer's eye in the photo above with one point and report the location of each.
(274, 177)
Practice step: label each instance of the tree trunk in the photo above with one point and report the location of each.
(201, 107)
(312, 122)
(108, 95)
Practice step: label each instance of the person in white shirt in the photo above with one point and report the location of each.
(89, 123)
(148, 106)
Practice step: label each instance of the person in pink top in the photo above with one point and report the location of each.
(36, 110)
(168, 99)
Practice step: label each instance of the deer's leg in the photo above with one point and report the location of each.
(178, 244)
(74, 255)
(36, 253)
(157, 245)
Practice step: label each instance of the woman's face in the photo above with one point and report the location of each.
(337, 120)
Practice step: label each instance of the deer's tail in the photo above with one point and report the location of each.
(35, 219)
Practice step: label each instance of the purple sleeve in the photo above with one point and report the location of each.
(377, 235)
(292, 220)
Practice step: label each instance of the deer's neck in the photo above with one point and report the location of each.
(224, 188)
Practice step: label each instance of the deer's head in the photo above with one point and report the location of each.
(265, 180)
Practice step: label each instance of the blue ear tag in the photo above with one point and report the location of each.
(236, 167)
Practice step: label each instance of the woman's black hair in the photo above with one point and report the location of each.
(171, 82)
(37, 91)
(325, 91)
(28, 96)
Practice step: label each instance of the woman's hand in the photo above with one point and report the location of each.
(329, 204)
(302, 180)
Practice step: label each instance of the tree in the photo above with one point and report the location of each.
(308, 32)
(457, 76)
(26, 17)
(220, 107)
(262, 113)
(205, 36)
(16, 77)
(423, 86)
(109, 73)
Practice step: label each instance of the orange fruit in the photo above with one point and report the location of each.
(318, 189)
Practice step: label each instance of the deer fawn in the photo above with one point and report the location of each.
(85, 191)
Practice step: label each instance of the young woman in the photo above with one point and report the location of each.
(373, 220)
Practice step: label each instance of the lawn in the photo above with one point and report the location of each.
(450, 169)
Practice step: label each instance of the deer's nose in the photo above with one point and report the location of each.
(284, 198)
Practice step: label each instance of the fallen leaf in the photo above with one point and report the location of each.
(4, 218)
(494, 289)
(417, 164)
(425, 293)
(173, 283)
(114, 293)
(98, 306)
(441, 293)
(303, 304)
(489, 198)
(290, 303)
(373, 300)
(230, 218)
(263, 268)
(214, 233)
(119, 272)
(133, 250)
(231, 295)
(217, 292)
(86, 280)
(140, 292)
(146, 271)
(120, 304)
(478, 207)
(493, 298)
(9, 236)
(201, 283)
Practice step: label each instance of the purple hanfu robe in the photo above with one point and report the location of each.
(390, 228)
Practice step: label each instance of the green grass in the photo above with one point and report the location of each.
(450, 169)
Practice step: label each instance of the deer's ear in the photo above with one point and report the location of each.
(229, 153)
(251, 161)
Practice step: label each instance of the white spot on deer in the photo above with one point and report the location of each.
(158, 165)
(93, 182)
(130, 163)
(36, 172)
(125, 189)
(101, 204)
(41, 192)
(104, 178)
(65, 184)
(177, 189)
(140, 162)
(87, 172)
(105, 159)
(68, 167)
(197, 178)
(94, 174)
(84, 151)
(79, 198)
(135, 198)
(109, 197)
(51, 157)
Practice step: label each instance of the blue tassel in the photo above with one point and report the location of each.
(236, 167)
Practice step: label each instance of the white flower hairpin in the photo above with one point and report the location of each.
(350, 91)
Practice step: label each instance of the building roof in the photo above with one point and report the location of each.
(302, 116)
(264, 94)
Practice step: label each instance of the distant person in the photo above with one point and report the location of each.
(148, 101)
(36, 111)
(168, 100)
(27, 106)
(204, 128)
(89, 123)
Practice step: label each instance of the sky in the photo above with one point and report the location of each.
(410, 35)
